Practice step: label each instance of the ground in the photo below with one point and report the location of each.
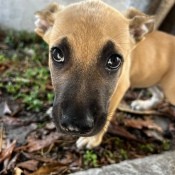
(29, 142)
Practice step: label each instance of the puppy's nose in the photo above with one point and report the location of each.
(76, 126)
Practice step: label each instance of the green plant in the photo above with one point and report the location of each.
(166, 145)
(123, 154)
(90, 158)
(118, 142)
(12, 87)
(148, 148)
(50, 97)
(20, 39)
(2, 58)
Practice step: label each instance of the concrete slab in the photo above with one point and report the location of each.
(163, 164)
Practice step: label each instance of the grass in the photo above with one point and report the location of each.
(27, 75)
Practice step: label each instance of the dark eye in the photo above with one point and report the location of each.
(57, 55)
(114, 62)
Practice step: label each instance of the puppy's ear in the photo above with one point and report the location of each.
(140, 24)
(45, 20)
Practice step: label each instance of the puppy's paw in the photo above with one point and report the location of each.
(141, 105)
(89, 142)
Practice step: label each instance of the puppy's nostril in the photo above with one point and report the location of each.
(90, 123)
(63, 124)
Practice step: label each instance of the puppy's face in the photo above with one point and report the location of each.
(89, 45)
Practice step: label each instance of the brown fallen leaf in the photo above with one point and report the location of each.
(10, 162)
(51, 168)
(31, 165)
(8, 151)
(35, 145)
(11, 121)
(141, 123)
(167, 109)
(3, 67)
(154, 134)
(120, 131)
(39, 158)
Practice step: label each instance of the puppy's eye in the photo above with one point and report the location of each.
(114, 62)
(57, 55)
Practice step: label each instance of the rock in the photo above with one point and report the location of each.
(163, 164)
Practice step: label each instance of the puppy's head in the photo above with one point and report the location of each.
(89, 45)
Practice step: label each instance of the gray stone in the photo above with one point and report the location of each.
(163, 164)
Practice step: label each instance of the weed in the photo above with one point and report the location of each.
(123, 154)
(166, 145)
(90, 158)
(118, 141)
(20, 39)
(148, 148)
(12, 88)
(50, 97)
(3, 59)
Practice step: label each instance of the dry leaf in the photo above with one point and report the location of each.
(140, 124)
(7, 152)
(154, 134)
(35, 145)
(39, 158)
(120, 131)
(30, 165)
(51, 168)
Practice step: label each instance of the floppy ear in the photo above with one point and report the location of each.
(45, 20)
(140, 24)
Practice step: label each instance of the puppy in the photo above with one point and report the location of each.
(95, 54)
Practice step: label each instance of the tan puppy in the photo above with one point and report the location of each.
(96, 54)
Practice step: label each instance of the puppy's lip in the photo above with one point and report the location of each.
(75, 133)
(62, 130)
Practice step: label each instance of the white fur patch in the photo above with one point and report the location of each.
(157, 97)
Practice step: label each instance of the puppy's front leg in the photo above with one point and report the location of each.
(94, 141)
(90, 142)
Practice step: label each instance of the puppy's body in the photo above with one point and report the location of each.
(153, 63)
(96, 54)
(152, 59)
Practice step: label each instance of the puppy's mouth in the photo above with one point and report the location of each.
(74, 131)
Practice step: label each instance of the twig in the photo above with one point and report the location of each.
(1, 136)
(126, 108)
